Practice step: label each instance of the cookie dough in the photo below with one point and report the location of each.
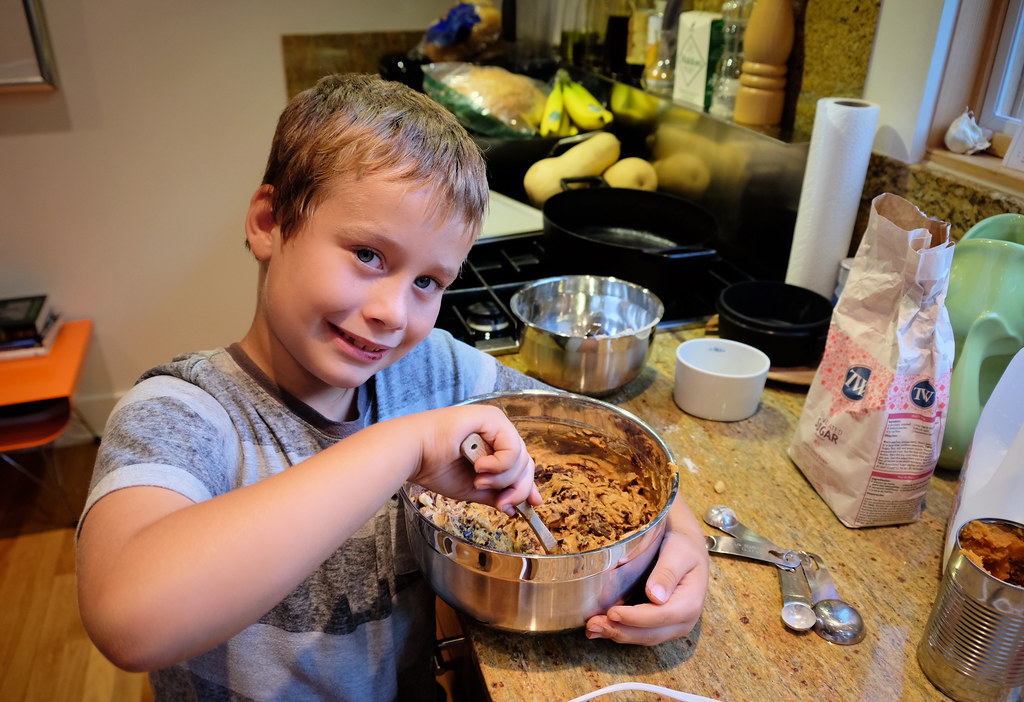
(586, 506)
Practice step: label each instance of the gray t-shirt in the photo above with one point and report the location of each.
(361, 627)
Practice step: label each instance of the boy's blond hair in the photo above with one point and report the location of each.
(355, 125)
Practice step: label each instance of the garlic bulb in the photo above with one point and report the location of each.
(964, 136)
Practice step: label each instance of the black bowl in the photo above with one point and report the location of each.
(787, 322)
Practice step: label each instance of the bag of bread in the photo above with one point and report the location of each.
(870, 432)
(489, 100)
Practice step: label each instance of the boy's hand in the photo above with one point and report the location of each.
(676, 589)
(502, 479)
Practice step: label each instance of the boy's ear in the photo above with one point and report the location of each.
(260, 225)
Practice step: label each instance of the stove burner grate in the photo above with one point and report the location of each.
(486, 317)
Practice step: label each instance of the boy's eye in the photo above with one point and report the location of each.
(425, 282)
(366, 255)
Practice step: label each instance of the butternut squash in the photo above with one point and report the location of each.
(632, 172)
(588, 158)
(726, 162)
(683, 174)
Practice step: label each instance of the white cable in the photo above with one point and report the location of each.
(644, 687)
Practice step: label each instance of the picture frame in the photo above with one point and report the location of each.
(26, 59)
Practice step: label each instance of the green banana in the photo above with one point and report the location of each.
(554, 111)
(583, 108)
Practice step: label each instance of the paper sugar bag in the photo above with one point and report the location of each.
(871, 429)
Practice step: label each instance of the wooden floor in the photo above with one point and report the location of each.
(45, 653)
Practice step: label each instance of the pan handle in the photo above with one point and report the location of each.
(679, 252)
(587, 181)
(563, 144)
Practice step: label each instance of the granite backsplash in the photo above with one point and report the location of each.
(830, 59)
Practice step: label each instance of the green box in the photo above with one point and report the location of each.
(698, 48)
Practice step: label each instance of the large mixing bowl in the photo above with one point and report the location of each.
(584, 333)
(549, 593)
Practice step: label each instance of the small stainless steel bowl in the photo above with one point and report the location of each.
(588, 334)
(549, 593)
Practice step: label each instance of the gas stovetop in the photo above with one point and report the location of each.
(475, 309)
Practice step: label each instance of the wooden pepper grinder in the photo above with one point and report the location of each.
(767, 43)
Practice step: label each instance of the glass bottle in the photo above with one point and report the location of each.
(660, 72)
(582, 32)
(616, 37)
(641, 12)
(735, 14)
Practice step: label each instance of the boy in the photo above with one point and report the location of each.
(242, 538)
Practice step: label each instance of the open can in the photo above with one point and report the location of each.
(973, 646)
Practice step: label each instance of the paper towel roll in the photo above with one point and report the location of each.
(837, 162)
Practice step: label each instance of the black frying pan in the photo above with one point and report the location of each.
(625, 221)
(648, 238)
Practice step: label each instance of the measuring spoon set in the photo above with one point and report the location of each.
(809, 597)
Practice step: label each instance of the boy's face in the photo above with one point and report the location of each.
(354, 289)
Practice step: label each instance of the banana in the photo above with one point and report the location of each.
(554, 112)
(633, 104)
(621, 98)
(536, 113)
(563, 124)
(566, 126)
(586, 112)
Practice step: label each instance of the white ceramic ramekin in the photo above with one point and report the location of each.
(719, 379)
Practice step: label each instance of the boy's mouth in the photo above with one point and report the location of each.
(361, 344)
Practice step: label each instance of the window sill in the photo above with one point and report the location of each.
(984, 168)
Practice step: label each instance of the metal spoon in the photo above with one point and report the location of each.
(796, 612)
(473, 447)
(837, 621)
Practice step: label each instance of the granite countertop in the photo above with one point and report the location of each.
(741, 650)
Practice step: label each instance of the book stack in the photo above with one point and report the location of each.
(28, 326)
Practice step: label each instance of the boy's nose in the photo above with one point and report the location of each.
(388, 304)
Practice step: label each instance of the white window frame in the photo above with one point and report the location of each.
(927, 63)
(1004, 96)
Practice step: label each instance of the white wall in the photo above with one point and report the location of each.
(122, 194)
(907, 62)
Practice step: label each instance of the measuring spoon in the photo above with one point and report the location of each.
(754, 550)
(797, 612)
(724, 518)
(837, 621)
(475, 446)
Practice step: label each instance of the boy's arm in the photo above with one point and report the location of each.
(162, 579)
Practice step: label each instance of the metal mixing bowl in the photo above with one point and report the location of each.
(548, 593)
(584, 333)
